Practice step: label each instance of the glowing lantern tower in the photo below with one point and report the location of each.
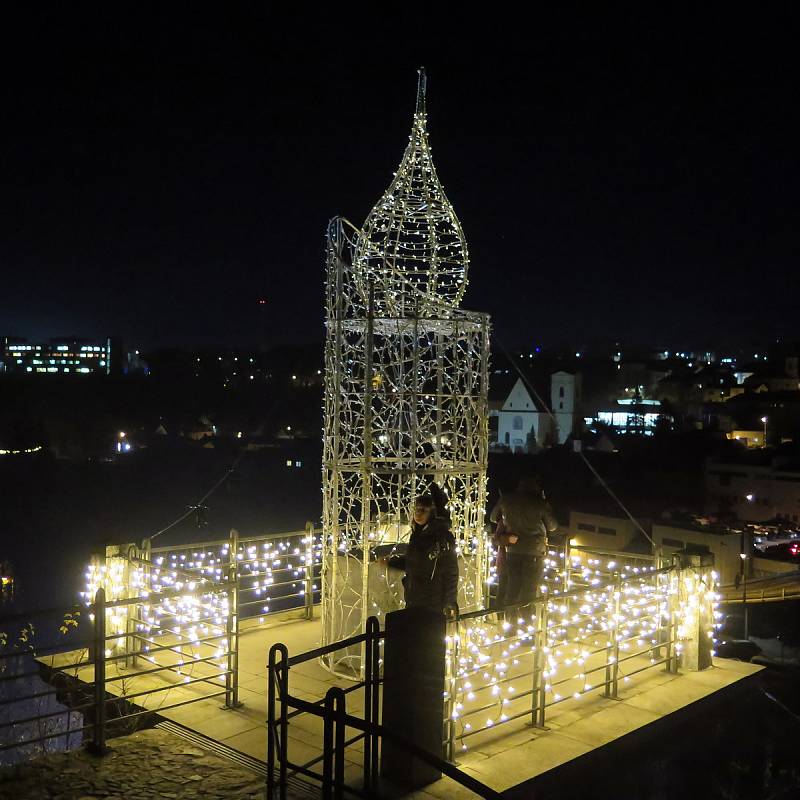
(406, 377)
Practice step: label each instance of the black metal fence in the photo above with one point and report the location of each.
(328, 768)
(67, 680)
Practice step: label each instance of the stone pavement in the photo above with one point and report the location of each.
(147, 765)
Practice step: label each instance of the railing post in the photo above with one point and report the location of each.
(674, 605)
(451, 674)
(371, 679)
(376, 699)
(277, 723)
(538, 695)
(333, 745)
(309, 579)
(131, 611)
(232, 624)
(567, 562)
(341, 713)
(615, 665)
(98, 744)
(696, 587)
(612, 646)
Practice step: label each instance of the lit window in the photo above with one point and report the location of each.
(288, 463)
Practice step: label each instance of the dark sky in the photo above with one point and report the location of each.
(632, 177)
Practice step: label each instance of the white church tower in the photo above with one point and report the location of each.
(565, 397)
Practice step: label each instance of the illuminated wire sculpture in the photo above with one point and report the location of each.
(406, 379)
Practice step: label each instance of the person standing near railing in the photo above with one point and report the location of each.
(526, 519)
(430, 561)
(500, 540)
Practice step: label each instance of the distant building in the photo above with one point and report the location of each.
(630, 416)
(67, 355)
(522, 426)
(609, 533)
(749, 438)
(772, 383)
(565, 398)
(756, 486)
(722, 542)
(616, 534)
(519, 422)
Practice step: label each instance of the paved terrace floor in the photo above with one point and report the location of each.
(501, 757)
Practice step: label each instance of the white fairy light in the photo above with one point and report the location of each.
(406, 379)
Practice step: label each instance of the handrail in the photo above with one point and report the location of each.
(795, 573)
(332, 711)
(617, 553)
(450, 770)
(221, 542)
(213, 588)
(331, 648)
(99, 657)
(575, 593)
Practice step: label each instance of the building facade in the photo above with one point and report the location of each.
(57, 356)
(754, 492)
(565, 398)
(521, 425)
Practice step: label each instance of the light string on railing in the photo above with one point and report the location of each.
(634, 615)
(184, 598)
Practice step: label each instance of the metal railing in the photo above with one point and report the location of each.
(563, 647)
(154, 621)
(282, 706)
(275, 572)
(559, 648)
(92, 675)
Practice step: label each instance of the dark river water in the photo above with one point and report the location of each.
(54, 514)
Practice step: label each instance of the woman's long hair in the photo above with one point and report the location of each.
(439, 502)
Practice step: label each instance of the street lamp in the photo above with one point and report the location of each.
(744, 550)
(764, 420)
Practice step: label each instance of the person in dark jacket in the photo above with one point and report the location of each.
(431, 562)
(526, 519)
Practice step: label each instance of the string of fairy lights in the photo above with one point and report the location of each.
(183, 600)
(406, 382)
(412, 245)
(405, 402)
(587, 640)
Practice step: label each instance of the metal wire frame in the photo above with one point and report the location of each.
(405, 405)
(413, 249)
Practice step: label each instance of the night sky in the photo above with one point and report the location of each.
(627, 178)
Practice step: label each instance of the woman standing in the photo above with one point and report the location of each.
(431, 561)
